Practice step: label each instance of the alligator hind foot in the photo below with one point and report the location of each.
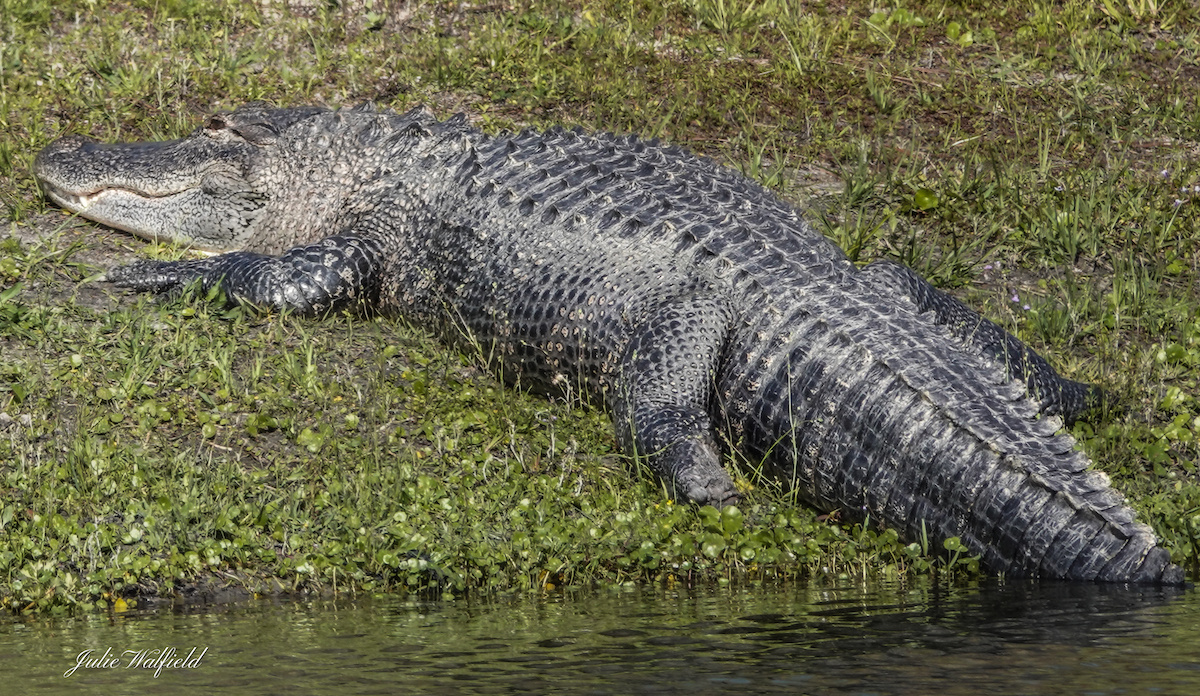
(697, 474)
(1055, 394)
(661, 404)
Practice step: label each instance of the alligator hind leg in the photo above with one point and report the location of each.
(1056, 394)
(661, 404)
(332, 274)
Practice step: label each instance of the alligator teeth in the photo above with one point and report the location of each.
(88, 199)
(79, 202)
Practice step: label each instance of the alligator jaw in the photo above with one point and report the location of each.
(99, 205)
(82, 202)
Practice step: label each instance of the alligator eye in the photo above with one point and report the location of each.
(215, 122)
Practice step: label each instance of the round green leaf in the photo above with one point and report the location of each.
(924, 199)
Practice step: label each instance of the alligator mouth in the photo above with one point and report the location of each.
(83, 201)
(110, 206)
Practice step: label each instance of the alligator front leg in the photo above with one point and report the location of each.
(1056, 394)
(335, 273)
(663, 396)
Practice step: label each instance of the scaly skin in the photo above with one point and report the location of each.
(692, 303)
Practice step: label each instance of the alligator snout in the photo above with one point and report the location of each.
(49, 162)
(76, 166)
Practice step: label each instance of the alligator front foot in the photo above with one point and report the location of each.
(329, 275)
(160, 277)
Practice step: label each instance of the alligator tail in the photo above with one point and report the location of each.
(865, 418)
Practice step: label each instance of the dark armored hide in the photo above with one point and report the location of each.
(696, 306)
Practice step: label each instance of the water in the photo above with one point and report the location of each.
(855, 639)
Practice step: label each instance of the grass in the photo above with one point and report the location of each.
(1036, 158)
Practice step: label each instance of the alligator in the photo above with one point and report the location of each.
(701, 310)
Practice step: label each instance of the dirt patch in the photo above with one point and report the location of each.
(80, 251)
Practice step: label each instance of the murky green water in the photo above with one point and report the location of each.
(1057, 639)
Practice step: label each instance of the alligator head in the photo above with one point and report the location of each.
(258, 178)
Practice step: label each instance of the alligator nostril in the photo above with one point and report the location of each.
(66, 145)
(70, 143)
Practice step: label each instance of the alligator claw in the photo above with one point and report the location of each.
(145, 276)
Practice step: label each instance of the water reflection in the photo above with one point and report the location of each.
(874, 639)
